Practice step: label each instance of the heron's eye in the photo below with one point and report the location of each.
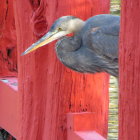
(60, 29)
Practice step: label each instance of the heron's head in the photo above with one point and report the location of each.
(61, 27)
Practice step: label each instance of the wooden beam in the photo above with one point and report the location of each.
(129, 113)
(82, 126)
(8, 50)
(48, 90)
(9, 105)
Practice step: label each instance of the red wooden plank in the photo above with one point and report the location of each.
(8, 105)
(8, 51)
(129, 113)
(89, 135)
(82, 126)
(83, 121)
(85, 135)
(48, 90)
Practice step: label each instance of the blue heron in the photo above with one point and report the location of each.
(93, 47)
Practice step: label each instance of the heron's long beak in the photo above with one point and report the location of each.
(46, 39)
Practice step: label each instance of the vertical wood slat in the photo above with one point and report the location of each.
(8, 52)
(129, 71)
(48, 90)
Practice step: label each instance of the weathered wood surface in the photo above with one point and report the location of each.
(129, 105)
(6, 25)
(8, 53)
(48, 90)
(7, 30)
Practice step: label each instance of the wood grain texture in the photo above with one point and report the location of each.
(129, 113)
(8, 52)
(47, 89)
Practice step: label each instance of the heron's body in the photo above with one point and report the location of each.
(92, 49)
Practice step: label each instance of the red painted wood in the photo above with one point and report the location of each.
(8, 56)
(47, 89)
(83, 121)
(8, 105)
(89, 135)
(82, 126)
(129, 71)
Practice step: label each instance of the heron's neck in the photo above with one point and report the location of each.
(80, 25)
(66, 48)
(76, 25)
(69, 44)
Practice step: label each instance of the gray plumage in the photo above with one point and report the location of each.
(94, 48)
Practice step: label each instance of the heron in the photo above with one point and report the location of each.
(93, 48)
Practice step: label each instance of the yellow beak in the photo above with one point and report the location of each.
(46, 39)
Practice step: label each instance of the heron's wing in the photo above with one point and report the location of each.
(104, 41)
